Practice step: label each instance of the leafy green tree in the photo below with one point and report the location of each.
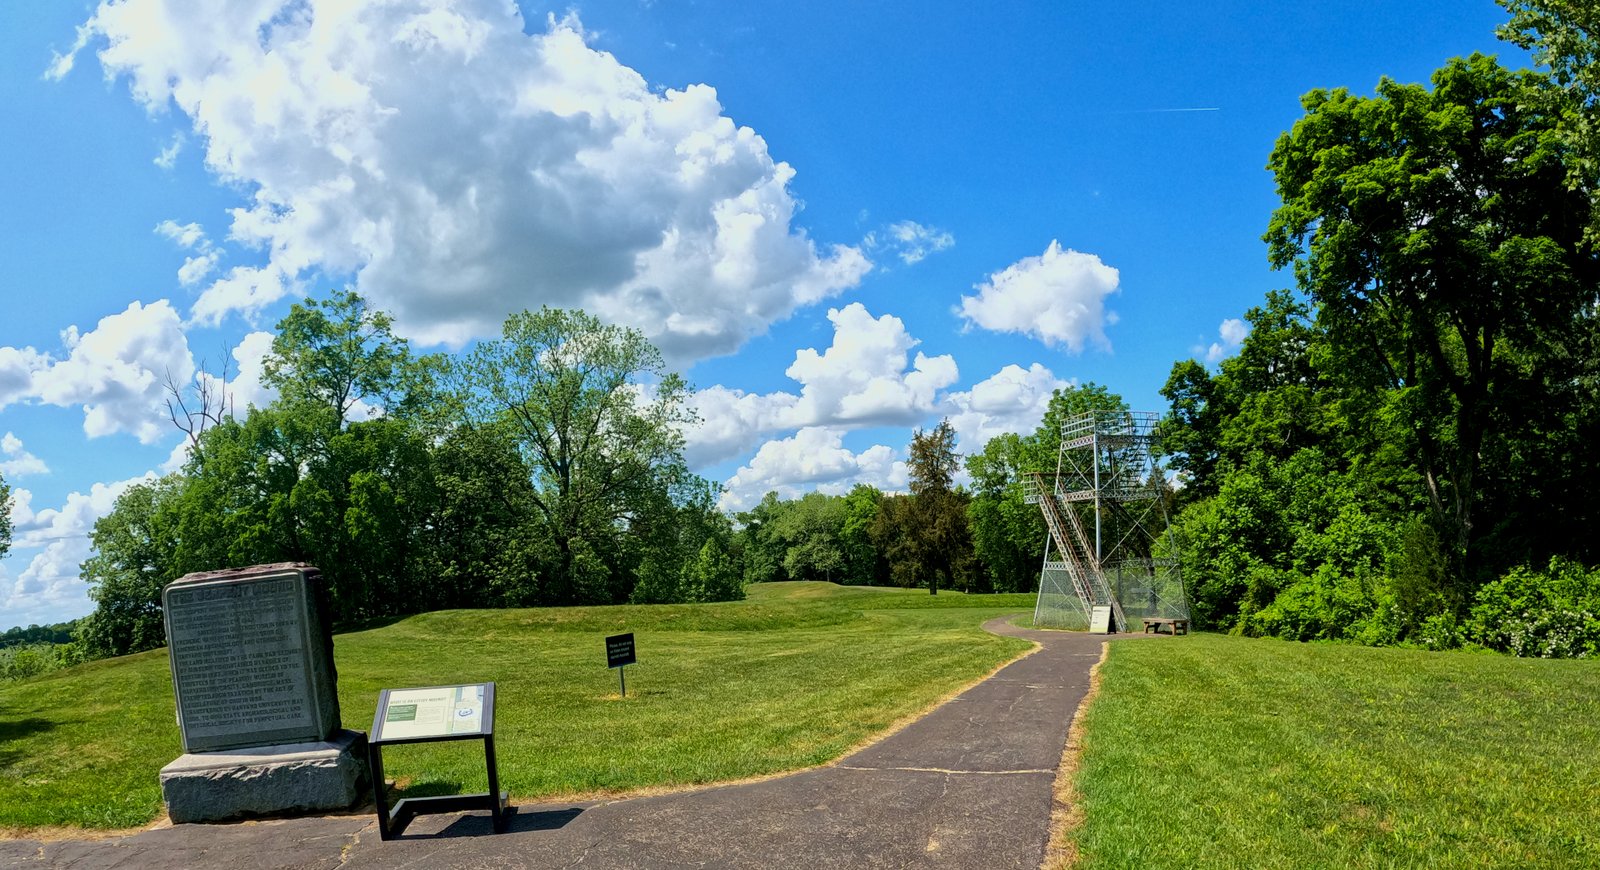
(938, 534)
(57, 633)
(1007, 533)
(1436, 236)
(1288, 494)
(763, 549)
(809, 531)
(597, 418)
(1565, 36)
(862, 563)
(330, 354)
(685, 554)
(135, 555)
(895, 536)
(487, 547)
(713, 576)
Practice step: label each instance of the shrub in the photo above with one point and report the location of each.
(1550, 614)
(32, 659)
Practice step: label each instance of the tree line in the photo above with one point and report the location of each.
(543, 468)
(1401, 451)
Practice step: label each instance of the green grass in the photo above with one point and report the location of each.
(792, 677)
(1218, 751)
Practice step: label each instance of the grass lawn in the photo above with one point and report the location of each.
(791, 678)
(1229, 752)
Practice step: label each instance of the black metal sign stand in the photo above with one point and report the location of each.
(392, 821)
(619, 654)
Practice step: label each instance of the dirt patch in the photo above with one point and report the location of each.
(1066, 812)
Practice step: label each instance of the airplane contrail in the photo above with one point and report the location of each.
(1165, 111)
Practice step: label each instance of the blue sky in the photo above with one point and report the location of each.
(841, 220)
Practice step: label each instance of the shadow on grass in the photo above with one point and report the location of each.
(429, 788)
(16, 730)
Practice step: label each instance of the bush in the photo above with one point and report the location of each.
(32, 659)
(1553, 614)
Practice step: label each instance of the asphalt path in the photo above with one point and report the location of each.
(969, 785)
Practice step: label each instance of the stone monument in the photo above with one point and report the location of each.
(258, 704)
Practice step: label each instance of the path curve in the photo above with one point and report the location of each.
(968, 785)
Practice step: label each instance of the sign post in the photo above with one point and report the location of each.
(619, 654)
(430, 715)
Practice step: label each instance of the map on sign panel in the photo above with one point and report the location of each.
(437, 712)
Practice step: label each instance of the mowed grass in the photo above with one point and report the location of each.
(790, 678)
(1214, 751)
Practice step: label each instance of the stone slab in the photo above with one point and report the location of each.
(252, 657)
(267, 780)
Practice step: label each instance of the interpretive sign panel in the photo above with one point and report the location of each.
(439, 711)
(428, 715)
(1100, 620)
(619, 650)
(251, 660)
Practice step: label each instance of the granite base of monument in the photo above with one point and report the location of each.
(257, 697)
(259, 781)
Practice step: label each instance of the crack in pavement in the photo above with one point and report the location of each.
(945, 770)
(354, 840)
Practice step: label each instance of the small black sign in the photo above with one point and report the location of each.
(619, 650)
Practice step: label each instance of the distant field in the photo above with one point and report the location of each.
(791, 678)
(1212, 751)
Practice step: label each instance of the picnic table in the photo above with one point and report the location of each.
(1173, 626)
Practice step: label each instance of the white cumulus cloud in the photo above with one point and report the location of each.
(17, 460)
(50, 588)
(814, 458)
(1013, 399)
(74, 519)
(910, 241)
(192, 237)
(461, 169)
(18, 365)
(169, 152)
(249, 363)
(865, 377)
(862, 378)
(1231, 334)
(1058, 298)
(118, 371)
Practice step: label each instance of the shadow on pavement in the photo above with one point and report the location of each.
(521, 821)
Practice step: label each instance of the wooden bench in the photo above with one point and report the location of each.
(1173, 626)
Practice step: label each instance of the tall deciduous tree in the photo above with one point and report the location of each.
(862, 562)
(598, 419)
(1438, 239)
(136, 553)
(942, 543)
(330, 354)
(1565, 36)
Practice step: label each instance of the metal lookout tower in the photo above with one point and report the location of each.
(1106, 510)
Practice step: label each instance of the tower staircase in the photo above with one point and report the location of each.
(1070, 541)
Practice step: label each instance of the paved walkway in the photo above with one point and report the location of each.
(969, 785)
